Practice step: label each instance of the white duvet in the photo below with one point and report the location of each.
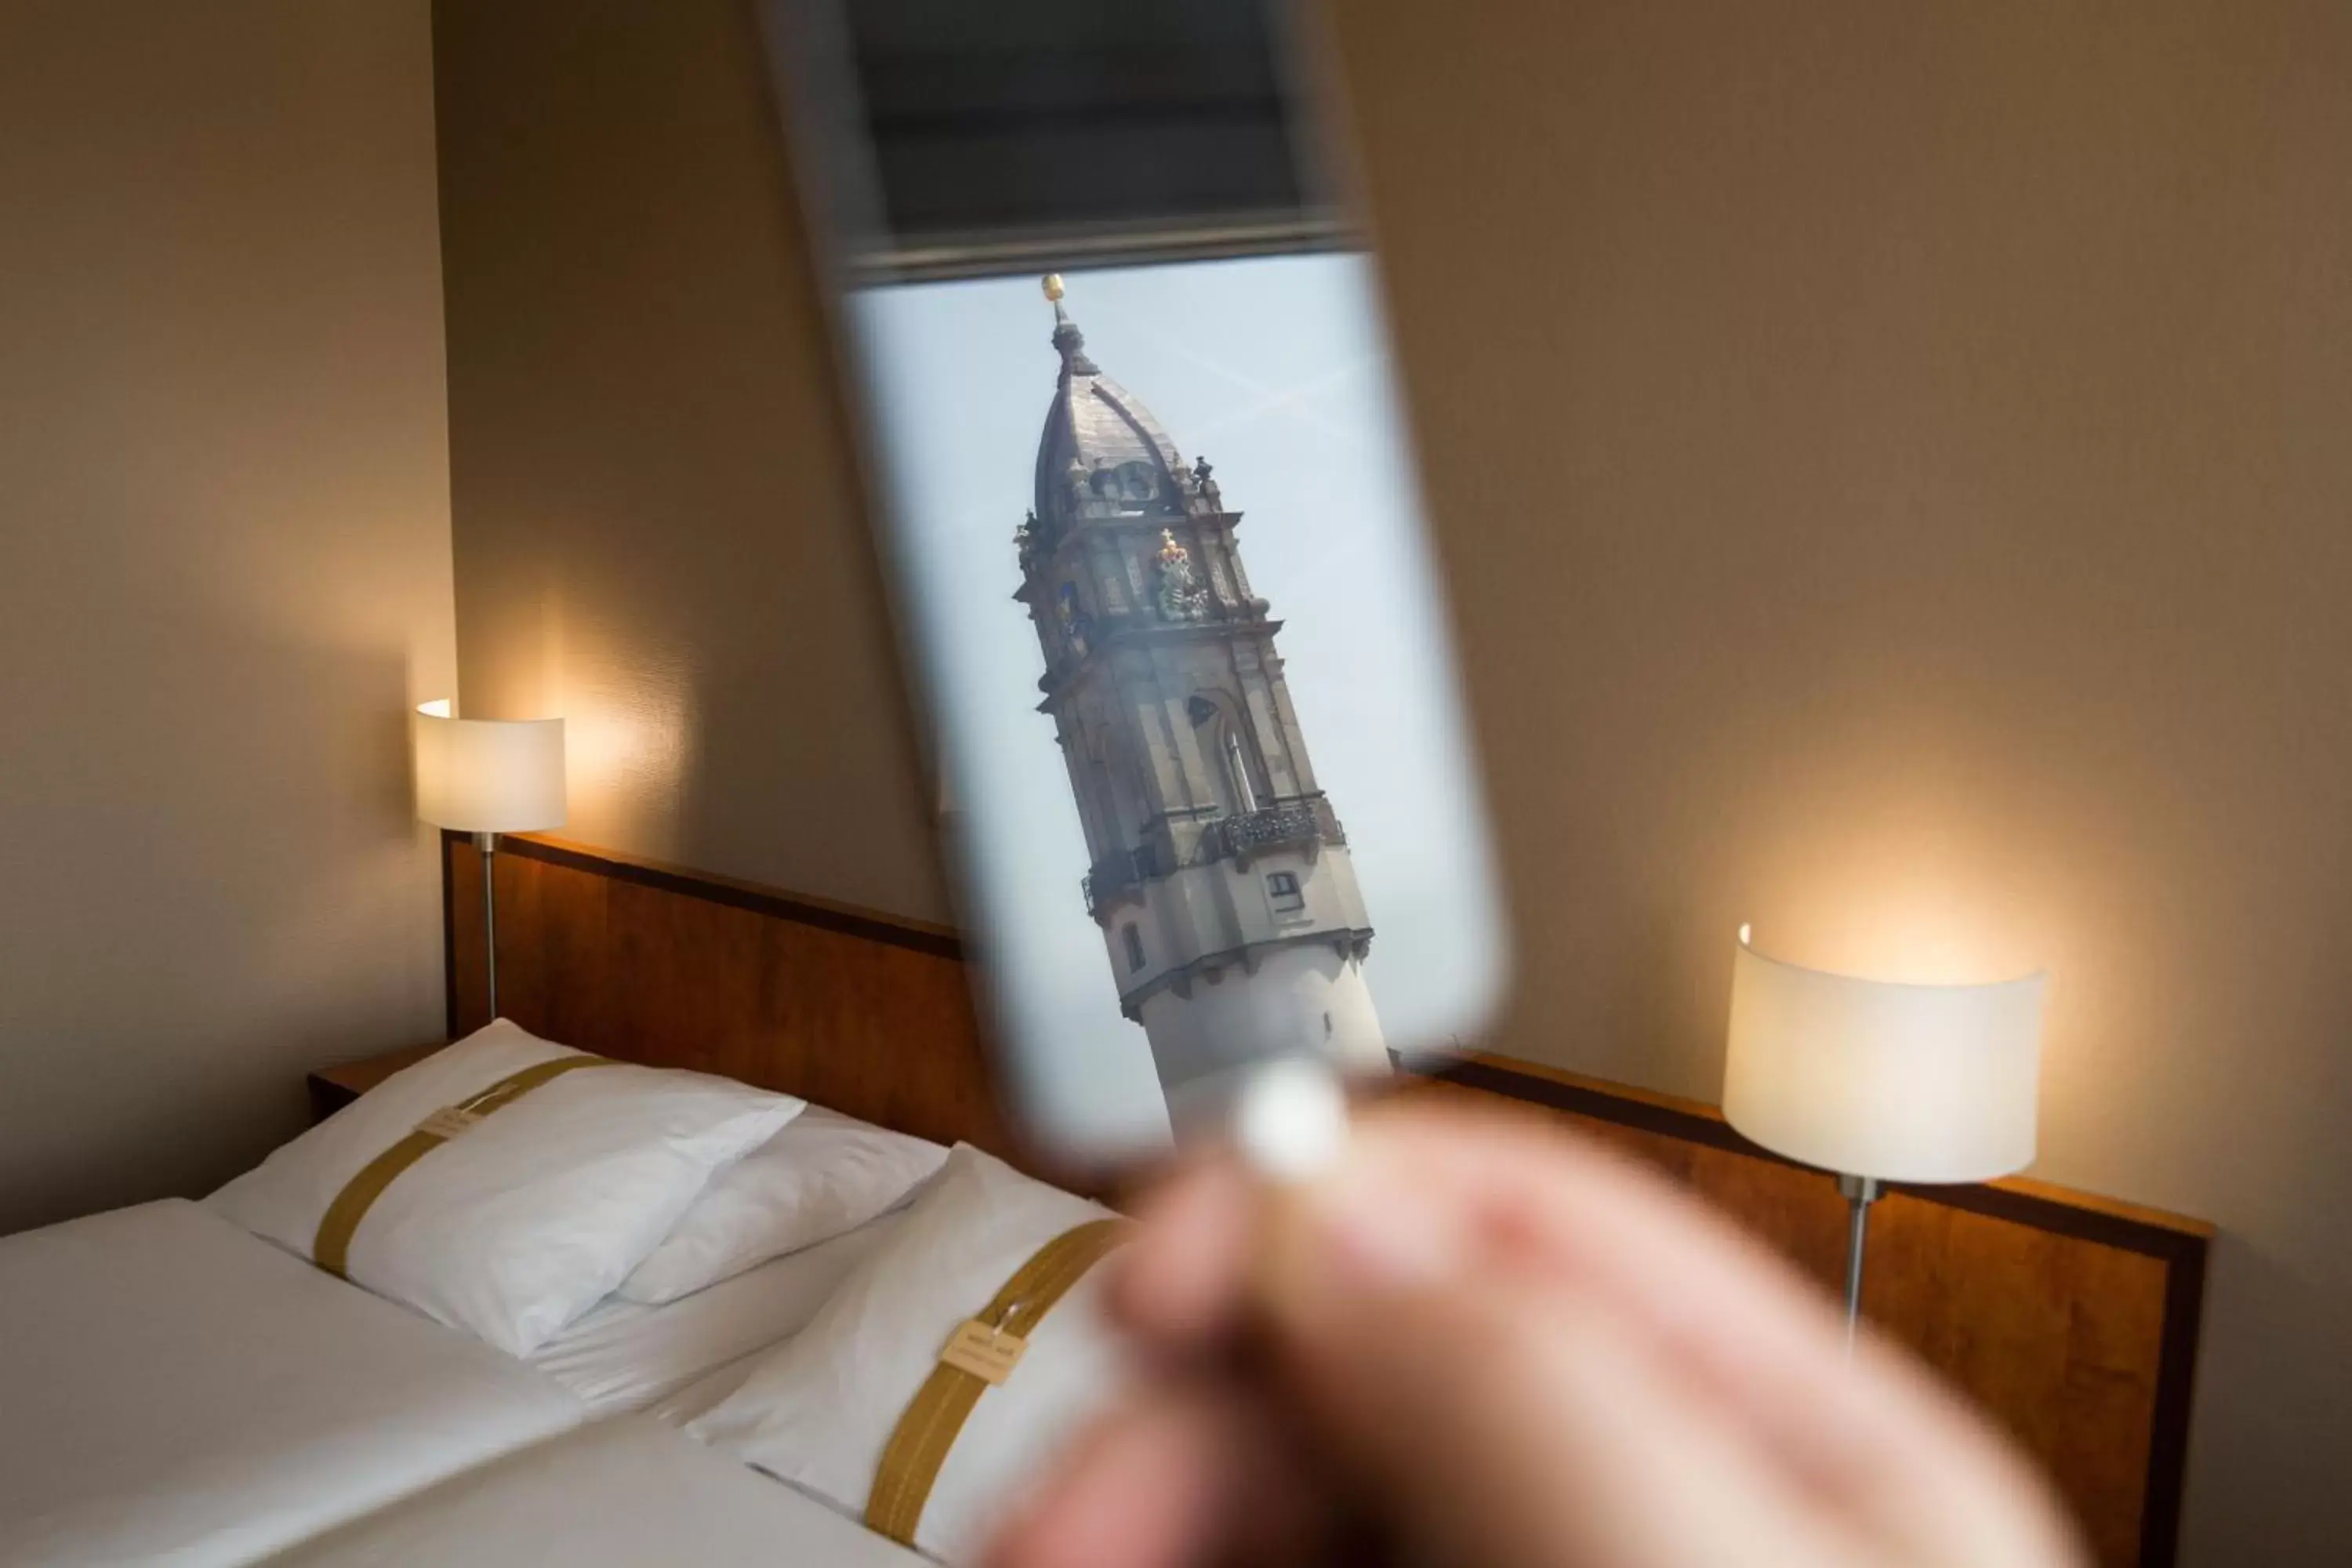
(620, 1494)
(626, 1356)
(176, 1390)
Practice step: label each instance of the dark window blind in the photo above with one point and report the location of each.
(998, 133)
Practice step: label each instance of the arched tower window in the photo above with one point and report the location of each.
(1236, 773)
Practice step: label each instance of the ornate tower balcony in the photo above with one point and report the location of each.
(1308, 824)
(1118, 878)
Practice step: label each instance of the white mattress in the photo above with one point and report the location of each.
(626, 1356)
(176, 1390)
(622, 1493)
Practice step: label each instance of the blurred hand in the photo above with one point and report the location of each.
(1482, 1342)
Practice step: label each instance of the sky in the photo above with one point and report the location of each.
(1275, 370)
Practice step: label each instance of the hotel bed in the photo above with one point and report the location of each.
(177, 1389)
(624, 1492)
(203, 1396)
(532, 1257)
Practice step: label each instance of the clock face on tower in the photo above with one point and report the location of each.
(1137, 481)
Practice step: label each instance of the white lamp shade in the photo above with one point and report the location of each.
(488, 775)
(1907, 1083)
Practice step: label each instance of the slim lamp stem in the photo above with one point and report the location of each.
(487, 843)
(1860, 1192)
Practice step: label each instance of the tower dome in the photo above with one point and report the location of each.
(1101, 452)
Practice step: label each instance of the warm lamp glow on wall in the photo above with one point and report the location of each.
(488, 777)
(1878, 1081)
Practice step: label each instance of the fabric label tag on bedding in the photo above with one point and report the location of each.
(988, 1353)
(448, 1122)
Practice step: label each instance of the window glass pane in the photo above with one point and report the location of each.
(1282, 889)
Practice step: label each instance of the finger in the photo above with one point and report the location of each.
(1505, 1422)
(1182, 1286)
(1185, 1475)
(1183, 1281)
(1726, 1316)
(1523, 1188)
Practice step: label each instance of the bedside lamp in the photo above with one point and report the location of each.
(488, 777)
(1878, 1081)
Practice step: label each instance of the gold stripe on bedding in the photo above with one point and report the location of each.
(331, 1249)
(920, 1443)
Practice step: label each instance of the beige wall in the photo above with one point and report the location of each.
(1892, 461)
(658, 524)
(224, 570)
(1894, 469)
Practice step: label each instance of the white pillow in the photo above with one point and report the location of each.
(819, 1410)
(532, 1216)
(824, 1175)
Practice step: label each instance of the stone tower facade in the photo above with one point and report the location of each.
(1221, 877)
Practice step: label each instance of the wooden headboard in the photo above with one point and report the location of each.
(869, 1014)
(2071, 1320)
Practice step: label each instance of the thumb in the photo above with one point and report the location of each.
(1490, 1415)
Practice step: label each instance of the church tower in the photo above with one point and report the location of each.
(1221, 877)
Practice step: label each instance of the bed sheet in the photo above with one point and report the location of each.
(706, 1393)
(617, 1494)
(626, 1356)
(178, 1390)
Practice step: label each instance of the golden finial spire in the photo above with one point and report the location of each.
(1067, 336)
